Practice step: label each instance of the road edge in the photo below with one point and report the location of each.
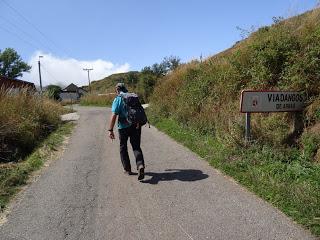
(48, 152)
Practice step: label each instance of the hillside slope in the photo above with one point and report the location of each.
(198, 104)
(107, 84)
(285, 56)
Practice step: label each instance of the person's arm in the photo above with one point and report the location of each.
(111, 125)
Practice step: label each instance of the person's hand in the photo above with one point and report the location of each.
(111, 135)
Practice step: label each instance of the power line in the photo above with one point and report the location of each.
(36, 28)
(26, 33)
(17, 36)
(46, 70)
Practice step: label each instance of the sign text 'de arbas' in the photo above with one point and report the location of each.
(271, 101)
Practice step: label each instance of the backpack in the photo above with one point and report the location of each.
(135, 112)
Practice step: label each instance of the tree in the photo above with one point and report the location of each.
(11, 64)
(53, 92)
(171, 62)
(167, 65)
(146, 85)
(150, 75)
(146, 70)
(132, 78)
(159, 69)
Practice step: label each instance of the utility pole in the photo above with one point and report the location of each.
(88, 70)
(40, 74)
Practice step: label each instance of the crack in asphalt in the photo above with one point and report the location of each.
(76, 215)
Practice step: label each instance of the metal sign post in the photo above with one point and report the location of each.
(248, 128)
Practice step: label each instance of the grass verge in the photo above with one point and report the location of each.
(14, 175)
(97, 100)
(283, 177)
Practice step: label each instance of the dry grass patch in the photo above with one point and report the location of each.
(25, 120)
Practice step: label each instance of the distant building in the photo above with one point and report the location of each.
(15, 85)
(72, 93)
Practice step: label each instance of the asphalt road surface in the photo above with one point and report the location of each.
(85, 195)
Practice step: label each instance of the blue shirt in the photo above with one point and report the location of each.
(119, 109)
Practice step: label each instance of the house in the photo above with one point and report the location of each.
(72, 93)
(15, 85)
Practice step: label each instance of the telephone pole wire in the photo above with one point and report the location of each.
(88, 70)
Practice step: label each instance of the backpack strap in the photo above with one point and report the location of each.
(122, 119)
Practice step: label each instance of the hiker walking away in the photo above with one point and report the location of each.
(127, 128)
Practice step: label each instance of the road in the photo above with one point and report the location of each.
(85, 195)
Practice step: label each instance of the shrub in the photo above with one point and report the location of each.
(25, 119)
(205, 96)
(310, 143)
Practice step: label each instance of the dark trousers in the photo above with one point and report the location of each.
(135, 139)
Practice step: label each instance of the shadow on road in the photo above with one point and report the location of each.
(185, 175)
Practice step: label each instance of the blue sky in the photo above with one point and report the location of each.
(120, 35)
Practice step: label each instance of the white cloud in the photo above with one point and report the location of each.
(63, 71)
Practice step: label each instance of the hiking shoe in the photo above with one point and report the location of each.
(140, 173)
(127, 172)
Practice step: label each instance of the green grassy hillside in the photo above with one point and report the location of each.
(142, 82)
(205, 96)
(107, 84)
(198, 104)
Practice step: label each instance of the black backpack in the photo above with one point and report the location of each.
(136, 114)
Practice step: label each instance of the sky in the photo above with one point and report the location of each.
(113, 36)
